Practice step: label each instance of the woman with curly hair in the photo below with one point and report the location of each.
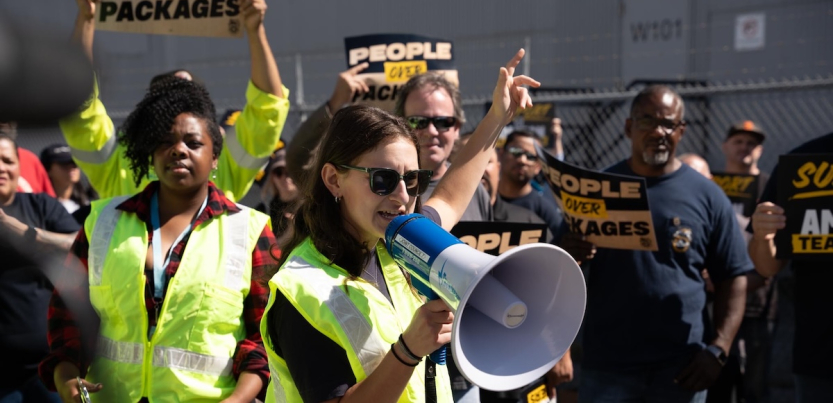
(172, 272)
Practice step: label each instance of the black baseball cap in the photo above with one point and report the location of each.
(748, 127)
(55, 153)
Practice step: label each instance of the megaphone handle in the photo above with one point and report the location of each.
(437, 356)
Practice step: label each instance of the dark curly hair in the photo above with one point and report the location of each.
(151, 121)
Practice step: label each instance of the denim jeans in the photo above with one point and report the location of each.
(654, 385)
(31, 391)
(811, 389)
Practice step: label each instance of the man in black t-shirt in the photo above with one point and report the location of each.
(813, 345)
(33, 228)
(519, 165)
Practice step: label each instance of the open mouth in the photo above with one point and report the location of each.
(390, 215)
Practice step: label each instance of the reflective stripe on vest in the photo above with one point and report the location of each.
(237, 248)
(275, 382)
(98, 156)
(103, 231)
(163, 357)
(367, 344)
(240, 155)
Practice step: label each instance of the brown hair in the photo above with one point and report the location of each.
(434, 80)
(354, 131)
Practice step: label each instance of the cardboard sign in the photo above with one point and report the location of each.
(393, 59)
(741, 189)
(218, 18)
(805, 191)
(495, 238)
(610, 210)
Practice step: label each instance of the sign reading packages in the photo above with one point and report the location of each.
(741, 189)
(805, 191)
(218, 18)
(610, 210)
(393, 59)
(496, 238)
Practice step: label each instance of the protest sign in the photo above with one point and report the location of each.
(495, 238)
(805, 191)
(393, 59)
(741, 189)
(218, 18)
(610, 210)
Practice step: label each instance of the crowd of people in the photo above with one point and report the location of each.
(145, 279)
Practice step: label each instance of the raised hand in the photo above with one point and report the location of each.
(86, 8)
(348, 85)
(767, 220)
(253, 13)
(509, 94)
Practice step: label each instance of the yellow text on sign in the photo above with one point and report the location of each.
(812, 243)
(583, 206)
(400, 72)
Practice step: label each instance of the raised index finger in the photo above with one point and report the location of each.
(516, 60)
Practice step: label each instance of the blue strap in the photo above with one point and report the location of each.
(158, 264)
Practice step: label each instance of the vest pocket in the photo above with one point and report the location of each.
(219, 320)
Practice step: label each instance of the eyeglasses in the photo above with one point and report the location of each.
(647, 123)
(442, 123)
(517, 152)
(383, 181)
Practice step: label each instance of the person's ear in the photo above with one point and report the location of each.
(332, 179)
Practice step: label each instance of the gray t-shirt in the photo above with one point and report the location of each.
(480, 206)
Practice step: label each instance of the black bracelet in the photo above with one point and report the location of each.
(407, 350)
(393, 350)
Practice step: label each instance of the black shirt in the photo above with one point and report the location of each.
(813, 345)
(24, 289)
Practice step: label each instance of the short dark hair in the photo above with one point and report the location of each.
(433, 80)
(354, 131)
(653, 90)
(518, 133)
(151, 121)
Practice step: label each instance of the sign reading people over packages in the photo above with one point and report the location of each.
(610, 210)
(496, 238)
(393, 59)
(741, 189)
(805, 191)
(218, 18)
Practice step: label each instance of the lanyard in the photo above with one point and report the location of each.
(158, 264)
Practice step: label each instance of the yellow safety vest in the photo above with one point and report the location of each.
(189, 357)
(360, 319)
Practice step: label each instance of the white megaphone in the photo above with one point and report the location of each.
(515, 315)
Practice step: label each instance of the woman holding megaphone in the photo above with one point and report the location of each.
(338, 289)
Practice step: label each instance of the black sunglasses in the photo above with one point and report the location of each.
(517, 152)
(442, 123)
(383, 181)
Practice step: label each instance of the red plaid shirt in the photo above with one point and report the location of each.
(70, 341)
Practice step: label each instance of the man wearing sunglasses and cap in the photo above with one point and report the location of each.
(519, 164)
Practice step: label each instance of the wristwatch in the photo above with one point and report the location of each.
(718, 353)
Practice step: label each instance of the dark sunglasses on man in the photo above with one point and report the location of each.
(383, 181)
(517, 152)
(648, 123)
(442, 123)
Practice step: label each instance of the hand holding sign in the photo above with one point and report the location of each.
(509, 94)
(578, 247)
(347, 86)
(253, 12)
(767, 220)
